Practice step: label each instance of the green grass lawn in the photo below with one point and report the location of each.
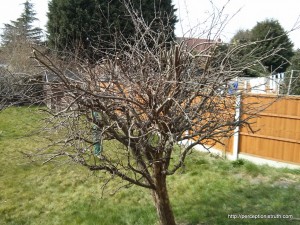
(205, 192)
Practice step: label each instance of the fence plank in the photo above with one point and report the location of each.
(277, 129)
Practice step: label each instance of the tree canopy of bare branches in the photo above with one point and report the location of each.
(148, 97)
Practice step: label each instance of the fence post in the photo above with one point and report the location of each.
(236, 134)
(290, 82)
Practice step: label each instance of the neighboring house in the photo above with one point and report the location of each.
(198, 45)
(259, 85)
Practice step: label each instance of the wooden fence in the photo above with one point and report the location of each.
(275, 134)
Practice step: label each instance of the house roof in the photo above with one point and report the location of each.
(198, 44)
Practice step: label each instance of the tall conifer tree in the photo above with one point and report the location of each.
(22, 29)
(94, 26)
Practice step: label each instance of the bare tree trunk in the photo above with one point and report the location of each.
(161, 199)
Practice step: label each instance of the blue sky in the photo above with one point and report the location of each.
(192, 13)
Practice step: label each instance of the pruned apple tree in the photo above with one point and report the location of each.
(153, 98)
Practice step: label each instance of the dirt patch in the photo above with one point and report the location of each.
(285, 183)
